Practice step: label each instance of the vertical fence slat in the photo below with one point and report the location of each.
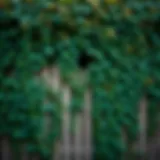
(56, 79)
(143, 125)
(53, 80)
(66, 122)
(24, 153)
(6, 153)
(88, 124)
(78, 133)
(56, 151)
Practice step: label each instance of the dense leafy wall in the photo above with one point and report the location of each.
(116, 41)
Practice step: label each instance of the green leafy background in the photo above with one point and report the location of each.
(116, 41)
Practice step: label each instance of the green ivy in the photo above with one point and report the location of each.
(116, 41)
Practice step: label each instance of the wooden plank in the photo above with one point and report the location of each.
(55, 78)
(24, 153)
(87, 118)
(6, 153)
(78, 133)
(143, 125)
(52, 78)
(66, 122)
(57, 153)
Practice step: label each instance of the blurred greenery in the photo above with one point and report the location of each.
(117, 41)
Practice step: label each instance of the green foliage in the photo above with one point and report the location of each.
(120, 42)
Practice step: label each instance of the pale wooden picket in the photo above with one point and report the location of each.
(77, 145)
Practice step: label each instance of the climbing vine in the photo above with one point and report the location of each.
(115, 41)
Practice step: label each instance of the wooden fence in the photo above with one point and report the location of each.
(77, 145)
(72, 145)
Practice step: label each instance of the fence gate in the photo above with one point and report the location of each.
(77, 145)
